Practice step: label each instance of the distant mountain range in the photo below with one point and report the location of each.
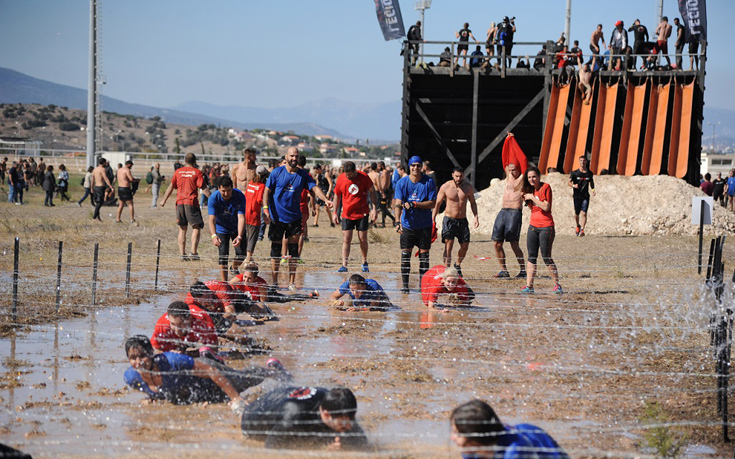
(378, 122)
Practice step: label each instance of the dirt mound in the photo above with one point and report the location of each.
(641, 205)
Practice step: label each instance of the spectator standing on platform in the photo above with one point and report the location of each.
(693, 51)
(504, 38)
(457, 192)
(541, 231)
(352, 191)
(445, 58)
(87, 185)
(681, 40)
(464, 38)
(49, 186)
(187, 181)
(414, 37)
(490, 41)
(415, 197)
(281, 206)
(640, 37)
(226, 209)
(576, 57)
(100, 184)
(663, 32)
(583, 183)
(618, 45)
(597, 35)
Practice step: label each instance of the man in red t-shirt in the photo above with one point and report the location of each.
(441, 280)
(183, 326)
(215, 297)
(253, 206)
(352, 191)
(188, 180)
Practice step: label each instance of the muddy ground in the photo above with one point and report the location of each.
(629, 334)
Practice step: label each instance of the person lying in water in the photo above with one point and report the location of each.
(183, 328)
(181, 379)
(441, 280)
(305, 418)
(362, 295)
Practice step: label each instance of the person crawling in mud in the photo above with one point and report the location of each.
(439, 281)
(305, 418)
(181, 379)
(256, 290)
(477, 430)
(215, 297)
(362, 295)
(183, 328)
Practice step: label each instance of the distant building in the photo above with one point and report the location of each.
(714, 163)
(328, 149)
(324, 138)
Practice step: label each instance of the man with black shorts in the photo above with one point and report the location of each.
(507, 226)
(281, 208)
(582, 182)
(464, 38)
(457, 193)
(125, 191)
(99, 183)
(415, 197)
(352, 191)
(187, 181)
(305, 417)
(324, 182)
(226, 208)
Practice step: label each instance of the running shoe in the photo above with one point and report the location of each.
(502, 275)
(194, 257)
(521, 275)
(314, 294)
(365, 268)
(581, 233)
(79, 205)
(184, 257)
(342, 269)
(459, 269)
(292, 288)
(577, 230)
(527, 289)
(557, 289)
(405, 290)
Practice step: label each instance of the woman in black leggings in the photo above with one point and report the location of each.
(541, 229)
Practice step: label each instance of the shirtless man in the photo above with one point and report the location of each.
(386, 193)
(585, 83)
(100, 184)
(457, 193)
(507, 225)
(663, 32)
(244, 172)
(374, 175)
(125, 191)
(594, 43)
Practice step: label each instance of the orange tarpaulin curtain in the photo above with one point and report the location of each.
(632, 126)
(551, 145)
(604, 123)
(578, 131)
(681, 128)
(653, 148)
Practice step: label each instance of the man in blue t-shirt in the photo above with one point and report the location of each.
(281, 208)
(365, 294)
(730, 189)
(227, 223)
(477, 430)
(414, 199)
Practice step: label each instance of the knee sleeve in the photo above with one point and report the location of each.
(405, 260)
(423, 263)
(276, 249)
(293, 250)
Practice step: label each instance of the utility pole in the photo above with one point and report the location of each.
(568, 25)
(92, 84)
(659, 12)
(422, 5)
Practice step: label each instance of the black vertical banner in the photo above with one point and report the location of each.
(694, 15)
(390, 19)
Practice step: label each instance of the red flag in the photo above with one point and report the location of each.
(512, 153)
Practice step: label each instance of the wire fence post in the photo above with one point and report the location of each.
(127, 270)
(94, 273)
(158, 261)
(16, 254)
(58, 277)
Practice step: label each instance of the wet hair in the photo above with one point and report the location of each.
(665, 19)
(357, 279)
(458, 169)
(179, 309)
(248, 152)
(349, 166)
(450, 272)
(273, 163)
(198, 289)
(224, 181)
(101, 161)
(477, 421)
(140, 342)
(190, 158)
(707, 176)
(340, 401)
(527, 187)
(128, 163)
(374, 166)
(251, 267)
(302, 161)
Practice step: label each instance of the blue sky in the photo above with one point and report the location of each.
(281, 53)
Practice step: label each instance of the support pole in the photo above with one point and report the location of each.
(701, 236)
(94, 273)
(58, 277)
(16, 254)
(127, 270)
(568, 24)
(92, 83)
(158, 262)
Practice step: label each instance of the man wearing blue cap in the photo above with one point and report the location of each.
(414, 199)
